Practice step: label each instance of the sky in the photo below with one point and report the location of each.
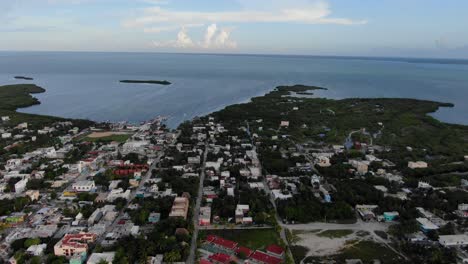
(399, 28)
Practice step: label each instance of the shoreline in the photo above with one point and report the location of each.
(300, 88)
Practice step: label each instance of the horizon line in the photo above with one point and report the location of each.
(246, 54)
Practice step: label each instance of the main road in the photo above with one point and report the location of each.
(196, 212)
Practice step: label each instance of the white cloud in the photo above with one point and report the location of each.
(214, 39)
(183, 39)
(316, 12)
(209, 34)
(223, 39)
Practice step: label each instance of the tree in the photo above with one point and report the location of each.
(172, 256)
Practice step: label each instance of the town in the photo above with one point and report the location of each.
(236, 186)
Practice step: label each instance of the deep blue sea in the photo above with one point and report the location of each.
(86, 85)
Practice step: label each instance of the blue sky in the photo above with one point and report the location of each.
(416, 28)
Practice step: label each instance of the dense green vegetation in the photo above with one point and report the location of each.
(121, 138)
(17, 96)
(147, 82)
(23, 78)
(392, 122)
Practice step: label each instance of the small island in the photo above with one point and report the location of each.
(147, 81)
(24, 78)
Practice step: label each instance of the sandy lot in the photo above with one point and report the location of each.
(105, 134)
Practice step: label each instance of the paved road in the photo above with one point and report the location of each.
(196, 212)
(233, 227)
(360, 225)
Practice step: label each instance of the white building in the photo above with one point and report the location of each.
(21, 186)
(84, 186)
(453, 240)
(417, 165)
(97, 257)
(6, 135)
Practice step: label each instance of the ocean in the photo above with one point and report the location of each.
(86, 85)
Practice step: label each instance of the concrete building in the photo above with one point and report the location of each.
(180, 207)
(74, 244)
(84, 186)
(417, 165)
(205, 216)
(453, 240)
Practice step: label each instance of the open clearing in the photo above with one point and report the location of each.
(340, 244)
(105, 134)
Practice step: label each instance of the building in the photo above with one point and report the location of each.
(74, 244)
(95, 258)
(275, 250)
(21, 186)
(153, 218)
(180, 207)
(366, 211)
(36, 250)
(220, 258)
(224, 244)
(453, 240)
(260, 257)
(362, 167)
(390, 216)
(426, 225)
(84, 186)
(417, 165)
(205, 216)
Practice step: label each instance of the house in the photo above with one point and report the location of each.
(224, 244)
(424, 185)
(6, 135)
(36, 250)
(260, 257)
(244, 252)
(205, 216)
(453, 240)
(21, 186)
(275, 250)
(33, 194)
(84, 186)
(417, 165)
(366, 211)
(220, 258)
(284, 124)
(153, 218)
(180, 207)
(118, 193)
(5, 118)
(362, 167)
(96, 258)
(390, 216)
(426, 225)
(74, 244)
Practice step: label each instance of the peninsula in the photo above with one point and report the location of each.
(164, 82)
(24, 78)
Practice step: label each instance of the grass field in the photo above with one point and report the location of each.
(252, 238)
(118, 138)
(105, 136)
(367, 251)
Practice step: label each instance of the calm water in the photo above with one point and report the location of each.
(86, 85)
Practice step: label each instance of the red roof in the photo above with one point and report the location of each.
(228, 244)
(246, 251)
(220, 257)
(265, 258)
(275, 249)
